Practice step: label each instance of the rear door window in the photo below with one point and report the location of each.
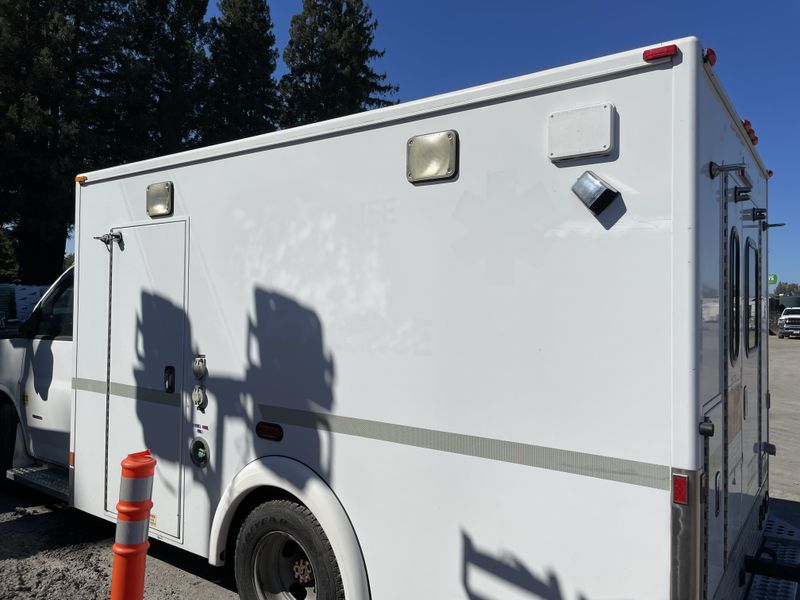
(734, 296)
(752, 288)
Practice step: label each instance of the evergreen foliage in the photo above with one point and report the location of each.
(243, 96)
(329, 57)
(157, 79)
(45, 95)
(9, 269)
(86, 84)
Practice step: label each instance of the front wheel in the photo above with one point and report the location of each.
(282, 553)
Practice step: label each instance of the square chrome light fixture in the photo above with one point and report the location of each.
(595, 193)
(159, 199)
(432, 156)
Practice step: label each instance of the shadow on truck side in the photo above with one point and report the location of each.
(478, 566)
(286, 366)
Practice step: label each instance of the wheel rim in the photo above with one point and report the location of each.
(282, 569)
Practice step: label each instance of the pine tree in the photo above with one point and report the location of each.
(329, 57)
(45, 122)
(158, 78)
(243, 96)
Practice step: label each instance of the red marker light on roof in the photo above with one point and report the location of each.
(750, 131)
(711, 56)
(680, 489)
(660, 52)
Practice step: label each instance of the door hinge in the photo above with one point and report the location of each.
(768, 448)
(110, 238)
(706, 428)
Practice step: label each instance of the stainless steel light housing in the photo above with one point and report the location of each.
(595, 193)
(432, 156)
(159, 199)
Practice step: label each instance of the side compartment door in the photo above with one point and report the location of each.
(147, 341)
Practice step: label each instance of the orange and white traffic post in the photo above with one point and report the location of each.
(133, 525)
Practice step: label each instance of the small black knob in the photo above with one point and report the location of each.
(706, 428)
(169, 379)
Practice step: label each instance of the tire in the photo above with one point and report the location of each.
(282, 553)
(780, 336)
(8, 437)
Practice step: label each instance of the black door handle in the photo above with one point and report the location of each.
(169, 379)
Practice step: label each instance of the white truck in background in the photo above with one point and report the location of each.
(349, 345)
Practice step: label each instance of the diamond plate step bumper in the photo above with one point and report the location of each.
(782, 540)
(48, 479)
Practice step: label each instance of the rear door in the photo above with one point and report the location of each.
(147, 330)
(724, 455)
(751, 361)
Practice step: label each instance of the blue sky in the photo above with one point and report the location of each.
(436, 46)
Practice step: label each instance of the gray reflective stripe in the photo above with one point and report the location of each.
(554, 459)
(127, 391)
(132, 532)
(135, 490)
(89, 385)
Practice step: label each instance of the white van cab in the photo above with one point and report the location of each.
(35, 374)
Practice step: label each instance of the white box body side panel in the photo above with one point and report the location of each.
(495, 306)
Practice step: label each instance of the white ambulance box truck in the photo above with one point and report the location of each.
(504, 342)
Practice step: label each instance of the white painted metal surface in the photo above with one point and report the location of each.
(586, 131)
(148, 322)
(47, 391)
(419, 344)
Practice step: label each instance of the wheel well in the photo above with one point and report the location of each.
(246, 506)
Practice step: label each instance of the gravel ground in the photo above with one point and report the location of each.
(50, 551)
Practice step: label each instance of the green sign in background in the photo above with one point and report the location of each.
(773, 278)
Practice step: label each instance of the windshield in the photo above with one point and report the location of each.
(791, 312)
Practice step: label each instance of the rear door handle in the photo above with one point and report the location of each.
(169, 379)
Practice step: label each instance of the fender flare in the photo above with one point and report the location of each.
(309, 488)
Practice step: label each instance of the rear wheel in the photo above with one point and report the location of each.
(282, 553)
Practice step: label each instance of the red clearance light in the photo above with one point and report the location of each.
(661, 52)
(680, 489)
(748, 127)
(711, 56)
